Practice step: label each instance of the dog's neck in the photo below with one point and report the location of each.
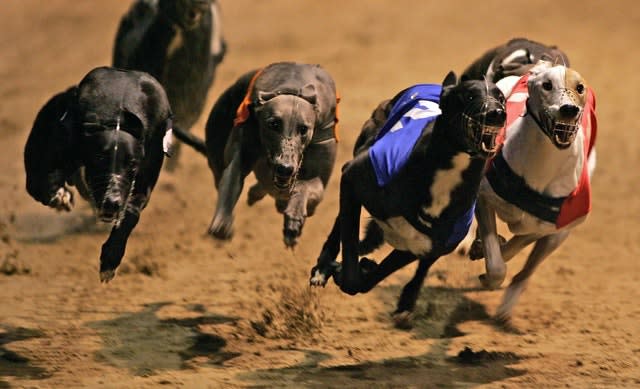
(456, 175)
(545, 168)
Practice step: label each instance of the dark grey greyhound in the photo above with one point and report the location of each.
(425, 209)
(105, 136)
(278, 122)
(513, 58)
(180, 43)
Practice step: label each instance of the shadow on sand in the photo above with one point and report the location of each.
(145, 344)
(48, 226)
(14, 364)
(437, 316)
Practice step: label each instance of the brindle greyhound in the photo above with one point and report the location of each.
(513, 58)
(278, 122)
(425, 208)
(538, 184)
(106, 136)
(180, 43)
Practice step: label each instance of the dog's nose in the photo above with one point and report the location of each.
(284, 170)
(496, 116)
(111, 205)
(569, 110)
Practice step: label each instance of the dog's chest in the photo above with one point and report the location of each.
(416, 235)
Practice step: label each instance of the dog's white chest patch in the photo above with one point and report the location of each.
(444, 182)
(402, 236)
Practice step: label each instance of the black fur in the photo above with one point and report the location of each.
(147, 40)
(493, 65)
(406, 194)
(73, 142)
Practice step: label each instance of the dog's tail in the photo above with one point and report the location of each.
(373, 238)
(191, 140)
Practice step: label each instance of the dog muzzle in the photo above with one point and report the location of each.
(483, 136)
(561, 133)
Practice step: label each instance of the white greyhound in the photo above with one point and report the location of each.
(538, 184)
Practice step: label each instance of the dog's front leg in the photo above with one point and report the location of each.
(229, 190)
(496, 270)
(305, 197)
(326, 265)
(113, 249)
(349, 278)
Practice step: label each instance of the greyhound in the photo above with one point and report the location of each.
(513, 58)
(278, 122)
(180, 43)
(423, 208)
(539, 181)
(107, 137)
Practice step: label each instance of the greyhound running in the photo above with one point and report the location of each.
(539, 182)
(424, 207)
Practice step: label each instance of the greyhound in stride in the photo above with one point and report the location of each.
(106, 136)
(181, 44)
(443, 134)
(280, 123)
(538, 183)
(513, 58)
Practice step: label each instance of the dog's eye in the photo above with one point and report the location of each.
(547, 85)
(303, 129)
(580, 88)
(273, 124)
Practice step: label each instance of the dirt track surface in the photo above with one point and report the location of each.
(185, 311)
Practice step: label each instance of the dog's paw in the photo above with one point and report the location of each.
(221, 228)
(107, 275)
(256, 193)
(292, 230)
(402, 320)
(492, 282)
(110, 258)
(476, 250)
(62, 200)
(320, 276)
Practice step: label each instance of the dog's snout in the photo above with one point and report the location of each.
(284, 170)
(111, 205)
(569, 110)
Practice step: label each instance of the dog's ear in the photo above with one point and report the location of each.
(263, 97)
(450, 80)
(308, 92)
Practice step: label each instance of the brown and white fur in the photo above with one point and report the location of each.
(550, 165)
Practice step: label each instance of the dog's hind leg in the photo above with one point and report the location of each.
(372, 273)
(496, 269)
(514, 245)
(407, 301)
(542, 248)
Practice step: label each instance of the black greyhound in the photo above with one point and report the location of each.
(425, 209)
(180, 43)
(105, 136)
(513, 58)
